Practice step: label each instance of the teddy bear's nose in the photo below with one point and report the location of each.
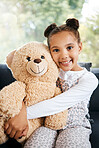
(37, 60)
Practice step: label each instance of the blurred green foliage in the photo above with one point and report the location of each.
(90, 38)
(22, 21)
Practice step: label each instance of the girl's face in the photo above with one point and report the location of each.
(65, 50)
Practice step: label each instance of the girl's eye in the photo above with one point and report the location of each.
(42, 57)
(55, 50)
(69, 47)
(28, 58)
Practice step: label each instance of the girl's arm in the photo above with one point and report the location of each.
(80, 92)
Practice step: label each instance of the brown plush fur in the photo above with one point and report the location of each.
(36, 74)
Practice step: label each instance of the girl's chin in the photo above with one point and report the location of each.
(66, 68)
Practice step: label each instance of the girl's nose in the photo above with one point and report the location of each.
(64, 54)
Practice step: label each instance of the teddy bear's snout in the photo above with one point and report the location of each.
(37, 61)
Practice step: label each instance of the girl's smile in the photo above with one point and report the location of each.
(66, 63)
(65, 50)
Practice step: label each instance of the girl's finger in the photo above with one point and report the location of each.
(8, 131)
(6, 126)
(17, 135)
(24, 133)
(12, 133)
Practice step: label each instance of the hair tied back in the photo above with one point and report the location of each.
(73, 23)
(49, 29)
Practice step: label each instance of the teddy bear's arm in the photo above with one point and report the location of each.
(11, 98)
(57, 121)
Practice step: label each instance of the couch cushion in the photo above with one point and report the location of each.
(94, 101)
(95, 130)
(86, 65)
(95, 71)
(5, 76)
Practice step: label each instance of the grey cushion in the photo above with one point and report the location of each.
(86, 65)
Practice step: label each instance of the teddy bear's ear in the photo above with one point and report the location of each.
(9, 58)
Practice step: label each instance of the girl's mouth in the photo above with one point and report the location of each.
(66, 63)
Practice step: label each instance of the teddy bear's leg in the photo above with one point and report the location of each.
(3, 136)
(42, 137)
(57, 121)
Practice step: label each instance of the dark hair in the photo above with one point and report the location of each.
(71, 25)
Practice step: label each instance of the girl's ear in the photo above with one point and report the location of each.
(9, 58)
(80, 47)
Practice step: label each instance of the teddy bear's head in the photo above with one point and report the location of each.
(32, 62)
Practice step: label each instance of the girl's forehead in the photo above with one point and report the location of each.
(61, 37)
(62, 34)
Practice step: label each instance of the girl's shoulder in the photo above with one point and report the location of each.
(65, 75)
(89, 78)
(89, 74)
(84, 76)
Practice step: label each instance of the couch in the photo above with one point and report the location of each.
(6, 78)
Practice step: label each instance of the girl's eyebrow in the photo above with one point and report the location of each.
(54, 47)
(69, 44)
(65, 45)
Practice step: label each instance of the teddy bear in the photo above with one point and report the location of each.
(36, 74)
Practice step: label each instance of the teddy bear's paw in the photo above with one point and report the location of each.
(57, 121)
(3, 119)
(55, 126)
(54, 123)
(3, 137)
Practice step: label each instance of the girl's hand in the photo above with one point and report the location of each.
(17, 126)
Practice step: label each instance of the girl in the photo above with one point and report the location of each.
(65, 46)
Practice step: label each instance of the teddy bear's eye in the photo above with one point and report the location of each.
(42, 57)
(28, 58)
